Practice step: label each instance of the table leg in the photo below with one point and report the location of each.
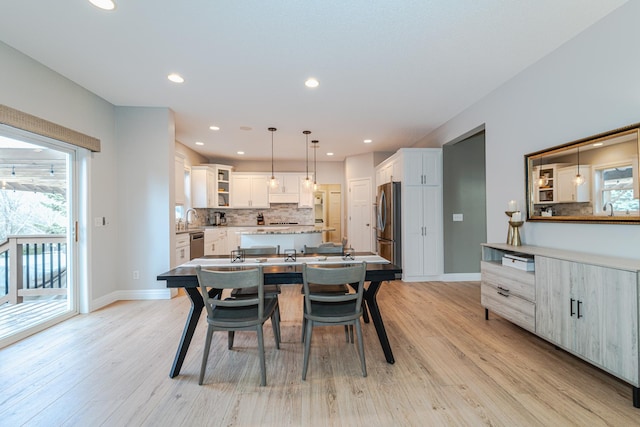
(370, 295)
(197, 304)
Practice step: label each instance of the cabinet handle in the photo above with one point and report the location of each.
(571, 307)
(503, 289)
(579, 304)
(503, 294)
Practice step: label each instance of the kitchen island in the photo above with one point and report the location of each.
(287, 237)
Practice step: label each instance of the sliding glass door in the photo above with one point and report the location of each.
(37, 233)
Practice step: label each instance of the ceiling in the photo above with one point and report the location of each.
(389, 71)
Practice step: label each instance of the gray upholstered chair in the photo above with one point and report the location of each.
(324, 249)
(237, 314)
(260, 250)
(328, 309)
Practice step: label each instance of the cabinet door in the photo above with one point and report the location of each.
(553, 300)
(620, 323)
(413, 169)
(259, 191)
(212, 192)
(306, 193)
(586, 283)
(241, 191)
(431, 209)
(431, 167)
(413, 244)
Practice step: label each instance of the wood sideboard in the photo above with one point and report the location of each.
(583, 303)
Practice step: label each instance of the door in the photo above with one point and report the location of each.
(360, 211)
(334, 213)
(38, 259)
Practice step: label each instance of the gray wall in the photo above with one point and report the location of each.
(464, 193)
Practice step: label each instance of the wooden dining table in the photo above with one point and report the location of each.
(277, 271)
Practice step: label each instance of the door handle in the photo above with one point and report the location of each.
(571, 307)
(579, 304)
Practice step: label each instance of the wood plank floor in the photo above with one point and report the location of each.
(452, 368)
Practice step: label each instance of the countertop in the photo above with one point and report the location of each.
(288, 229)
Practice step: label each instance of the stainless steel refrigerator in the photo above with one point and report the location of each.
(388, 231)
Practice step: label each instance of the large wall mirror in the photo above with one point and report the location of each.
(594, 179)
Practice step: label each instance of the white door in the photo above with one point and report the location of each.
(360, 211)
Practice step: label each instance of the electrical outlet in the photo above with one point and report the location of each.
(457, 217)
(136, 275)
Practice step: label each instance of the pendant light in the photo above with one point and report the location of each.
(307, 181)
(315, 166)
(273, 182)
(542, 181)
(578, 179)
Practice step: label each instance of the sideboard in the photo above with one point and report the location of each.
(583, 303)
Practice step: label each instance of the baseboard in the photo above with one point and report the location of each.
(147, 294)
(448, 277)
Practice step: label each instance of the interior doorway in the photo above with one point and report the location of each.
(37, 233)
(328, 210)
(360, 215)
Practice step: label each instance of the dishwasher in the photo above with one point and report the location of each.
(196, 244)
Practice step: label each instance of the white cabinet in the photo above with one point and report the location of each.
(210, 186)
(421, 166)
(422, 238)
(215, 241)
(306, 192)
(179, 180)
(249, 190)
(390, 170)
(288, 190)
(183, 252)
(421, 194)
(568, 191)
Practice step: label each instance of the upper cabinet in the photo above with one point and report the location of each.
(179, 180)
(389, 170)
(288, 189)
(210, 186)
(422, 166)
(249, 190)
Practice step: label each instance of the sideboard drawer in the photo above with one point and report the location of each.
(511, 307)
(516, 282)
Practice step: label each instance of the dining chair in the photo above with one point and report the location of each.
(269, 290)
(324, 249)
(323, 309)
(237, 314)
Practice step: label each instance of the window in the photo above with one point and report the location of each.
(615, 194)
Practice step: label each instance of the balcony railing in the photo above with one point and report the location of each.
(32, 266)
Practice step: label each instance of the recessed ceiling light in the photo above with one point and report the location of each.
(245, 127)
(367, 141)
(241, 152)
(329, 154)
(312, 82)
(214, 127)
(199, 143)
(104, 4)
(175, 77)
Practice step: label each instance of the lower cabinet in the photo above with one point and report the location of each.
(215, 241)
(591, 311)
(183, 251)
(585, 304)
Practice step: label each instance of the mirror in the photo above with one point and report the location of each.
(594, 179)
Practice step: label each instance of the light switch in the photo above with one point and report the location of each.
(457, 217)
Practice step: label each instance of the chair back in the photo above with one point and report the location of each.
(326, 249)
(260, 250)
(237, 279)
(335, 274)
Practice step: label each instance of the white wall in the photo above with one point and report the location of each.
(145, 177)
(587, 86)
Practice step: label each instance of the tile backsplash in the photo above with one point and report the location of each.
(278, 212)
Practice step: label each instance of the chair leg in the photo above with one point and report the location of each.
(205, 354)
(231, 336)
(275, 324)
(307, 348)
(263, 367)
(361, 347)
(346, 333)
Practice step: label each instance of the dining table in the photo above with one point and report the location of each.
(281, 270)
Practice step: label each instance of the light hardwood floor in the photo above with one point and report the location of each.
(452, 368)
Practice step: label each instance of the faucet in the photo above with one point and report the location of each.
(186, 215)
(610, 207)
